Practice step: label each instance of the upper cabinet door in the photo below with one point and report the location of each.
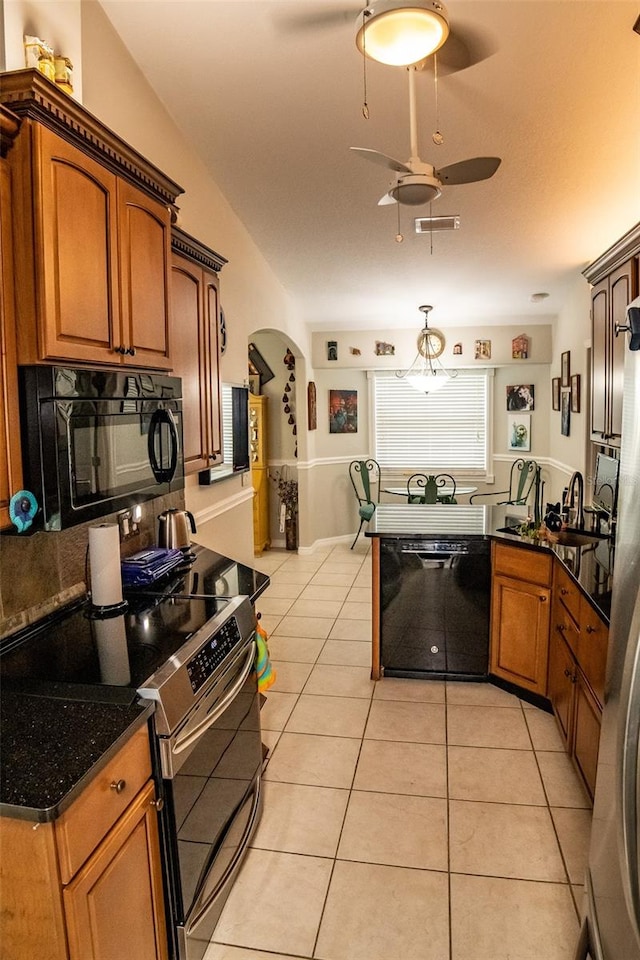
(190, 360)
(599, 352)
(145, 251)
(212, 315)
(621, 293)
(76, 268)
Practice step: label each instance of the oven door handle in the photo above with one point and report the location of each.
(183, 743)
(164, 467)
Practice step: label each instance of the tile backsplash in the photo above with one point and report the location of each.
(41, 572)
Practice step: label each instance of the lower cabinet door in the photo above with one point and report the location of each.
(520, 615)
(586, 736)
(114, 905)
(562, 680)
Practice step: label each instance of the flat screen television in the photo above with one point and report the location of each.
(605, 483)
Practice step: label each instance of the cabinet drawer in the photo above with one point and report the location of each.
(567, 591)
(80, 828)
(530, 565)
(592, 648)
(565, 626)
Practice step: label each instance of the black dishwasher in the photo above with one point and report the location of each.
(434, 603)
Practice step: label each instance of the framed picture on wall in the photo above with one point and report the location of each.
(565, 368)
(343, 411)
(519, 431)
(565, 413)
(575, 393)
(555, 393)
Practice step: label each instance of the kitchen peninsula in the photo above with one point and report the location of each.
(456, 595)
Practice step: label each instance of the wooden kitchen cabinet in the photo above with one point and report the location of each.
(615, 280)
(10, 456)
(520, 616)
(577, 666)
(91, 236)
(259, 471)
(88, 886)
(196, 352)
(113, 906)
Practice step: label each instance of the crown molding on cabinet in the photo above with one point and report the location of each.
(31, 95)
(196, 251)
(626, 247)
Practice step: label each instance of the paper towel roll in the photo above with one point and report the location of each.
(104, 560)
(112, 651)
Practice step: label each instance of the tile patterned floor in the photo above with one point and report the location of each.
(404, 819)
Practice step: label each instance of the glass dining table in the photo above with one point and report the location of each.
(444, 493)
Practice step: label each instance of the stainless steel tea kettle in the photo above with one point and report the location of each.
(175, 528)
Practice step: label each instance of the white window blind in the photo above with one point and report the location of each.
(444, 431)
(227, 424)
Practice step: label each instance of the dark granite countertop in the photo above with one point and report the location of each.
(53, 746)
(591, 565)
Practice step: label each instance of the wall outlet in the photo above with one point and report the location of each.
(129, 522)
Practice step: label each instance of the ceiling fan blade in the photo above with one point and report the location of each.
(469, 171)
(335, 16)
(464, 47)
(383, 201)
(381, 159)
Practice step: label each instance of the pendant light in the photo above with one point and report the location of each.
(402, 33)
(426, 374)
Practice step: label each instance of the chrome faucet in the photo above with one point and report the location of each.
(576, 484)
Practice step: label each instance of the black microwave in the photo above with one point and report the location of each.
(98, 441)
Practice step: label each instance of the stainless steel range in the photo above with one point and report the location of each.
(188, 644)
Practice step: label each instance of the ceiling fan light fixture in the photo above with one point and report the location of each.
(399, 33)
(415, 190)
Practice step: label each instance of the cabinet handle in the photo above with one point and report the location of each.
(567, 672)
(121, 350)
(561, 627)
(619, 328)
(158, 804)
(542, 598)
(131, 351)
(564, 591)
(118, 785)
(591, 629)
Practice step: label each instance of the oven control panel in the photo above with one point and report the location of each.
(210, 656)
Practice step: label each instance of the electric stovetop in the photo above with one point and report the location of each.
(76, 655)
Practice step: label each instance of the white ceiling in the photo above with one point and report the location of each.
(273, 104)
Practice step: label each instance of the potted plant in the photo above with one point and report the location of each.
(287, 490)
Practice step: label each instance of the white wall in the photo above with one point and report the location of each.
(55, 21)
(572, 332)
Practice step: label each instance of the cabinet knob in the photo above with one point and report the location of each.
(131, 351)
(591, 629)
(158, 803)
(561, 627)
(567, 672)
(118, 785)
(121, 350)
(542, 598)
(564, 591)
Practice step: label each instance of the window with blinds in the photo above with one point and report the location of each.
(444, 431)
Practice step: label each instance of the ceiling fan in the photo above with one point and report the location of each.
(417, 182)
(460, 45)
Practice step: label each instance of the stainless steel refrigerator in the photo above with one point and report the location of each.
(612, 927)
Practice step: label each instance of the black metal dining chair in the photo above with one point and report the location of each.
(430, 487)
(365, 479)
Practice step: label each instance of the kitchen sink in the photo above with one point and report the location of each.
(569, 537)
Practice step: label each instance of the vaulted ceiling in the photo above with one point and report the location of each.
(270, 95)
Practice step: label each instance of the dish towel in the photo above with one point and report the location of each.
(264, 668)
